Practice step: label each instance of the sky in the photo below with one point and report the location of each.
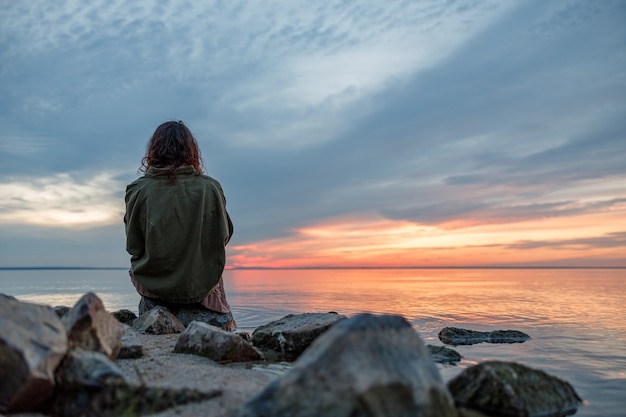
(344, 133)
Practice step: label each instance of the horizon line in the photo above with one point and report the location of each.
(243, 268)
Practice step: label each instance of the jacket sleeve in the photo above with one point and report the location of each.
(228, 220)
(231, 229)
(134, 221)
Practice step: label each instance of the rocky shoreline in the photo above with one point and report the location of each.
(86, 361)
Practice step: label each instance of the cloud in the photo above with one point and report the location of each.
(63, 200)
(610, 240)
(13, 146)
(455, 212)
(286, 67)
(343, 60)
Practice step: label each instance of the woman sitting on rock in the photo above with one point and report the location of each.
(177, 225)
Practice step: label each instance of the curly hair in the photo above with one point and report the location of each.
(171, 146)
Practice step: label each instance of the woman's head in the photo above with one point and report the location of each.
(172, 145)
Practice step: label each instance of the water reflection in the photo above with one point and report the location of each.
(65, 287)
(575, 317)
(483, 298)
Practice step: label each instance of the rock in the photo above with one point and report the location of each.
(292, 334)
(245, 336)
(7, 296)
(121, 399)
(88, 368)
(90, 327)
(114, 399)
(368, 365)
(511, 389)
(456, 336)
(32, 344)
(214, 343)
(187, 313)
(92, 385)
(61, 310)
(442, 354)
(159, 320)
(125, 316)
(131, 345)
(224, 321)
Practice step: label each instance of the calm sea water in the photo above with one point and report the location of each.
(576, 317)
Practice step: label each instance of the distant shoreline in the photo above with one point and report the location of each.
(258, 268)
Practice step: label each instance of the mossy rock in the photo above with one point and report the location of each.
(510, 389)
(457, 336)
(442, 354)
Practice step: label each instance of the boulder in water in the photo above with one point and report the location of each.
(456, 336)
(510, 389)
(442, 354)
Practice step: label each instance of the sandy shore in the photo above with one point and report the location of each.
(159, 366)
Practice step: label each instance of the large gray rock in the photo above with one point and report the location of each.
(214, 343)
(90, 327)
(32, 344)
(187, 313)
(292, 334)
(511, 389)
(159, 320)
(456, 336)
(374, 366)
(92, 385)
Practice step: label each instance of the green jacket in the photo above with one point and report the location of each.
(176, 233)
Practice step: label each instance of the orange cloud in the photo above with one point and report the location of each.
(373, 241)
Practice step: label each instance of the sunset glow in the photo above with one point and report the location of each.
(592, 236)
(589, 240)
